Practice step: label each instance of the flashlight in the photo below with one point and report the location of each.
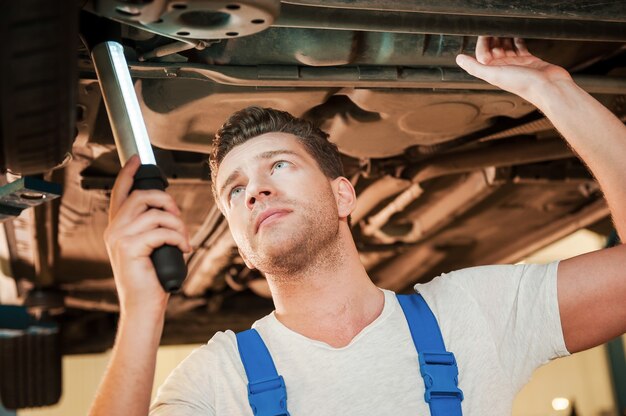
(131, 137)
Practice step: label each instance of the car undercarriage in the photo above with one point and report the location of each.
(450, 172)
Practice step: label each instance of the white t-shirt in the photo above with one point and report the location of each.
(501, 323)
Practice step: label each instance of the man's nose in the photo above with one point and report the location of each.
(257, 192)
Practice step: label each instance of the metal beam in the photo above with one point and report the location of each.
(334, 18)
(606, 11)
(347, 77)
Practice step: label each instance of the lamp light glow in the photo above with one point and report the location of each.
(560, 403)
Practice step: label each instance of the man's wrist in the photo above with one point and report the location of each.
(545, 95)
(143, 328)
(144, 312)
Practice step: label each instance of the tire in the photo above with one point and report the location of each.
(38, 84)
(31, 368)
(30, 359)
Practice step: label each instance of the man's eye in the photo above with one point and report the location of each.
(281, 164)
(236, 191)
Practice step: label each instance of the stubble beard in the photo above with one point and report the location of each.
(313, 244)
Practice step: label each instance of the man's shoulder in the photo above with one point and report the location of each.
(484, 286)
(219, 354)
(225, 342)
(222, 340)
(486, 276)
(221, 344)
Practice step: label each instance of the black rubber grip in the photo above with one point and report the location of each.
(168, 260)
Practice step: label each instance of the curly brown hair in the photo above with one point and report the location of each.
(254, 121)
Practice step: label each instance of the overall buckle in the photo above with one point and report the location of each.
(440, 373)
(268, 397)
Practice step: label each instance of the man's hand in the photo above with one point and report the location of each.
(138, 224)
(507, 64)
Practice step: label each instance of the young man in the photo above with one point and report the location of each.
(341, 344)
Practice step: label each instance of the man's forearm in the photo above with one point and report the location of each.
(595, 134)
(127, 384)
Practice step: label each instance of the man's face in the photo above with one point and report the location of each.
(280, 207)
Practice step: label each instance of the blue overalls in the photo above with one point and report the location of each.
(267, 394)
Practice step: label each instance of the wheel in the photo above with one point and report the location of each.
(38, 84)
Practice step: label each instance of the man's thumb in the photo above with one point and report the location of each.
(470, 64)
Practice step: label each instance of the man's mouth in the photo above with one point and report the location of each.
(269, 216)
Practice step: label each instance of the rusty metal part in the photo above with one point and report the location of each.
(208, 261)
(213, 250)
(458, 199)
(26, 192)
(532, 127)
(171, 49)
(189, 19)
(376, 192)
(492, 24)
(575, 10)
(92, 305)
(508, 125)
(502, 154)
(530, 242)
(347, 77)
(498, 155)
(46, 245)
(372, 226)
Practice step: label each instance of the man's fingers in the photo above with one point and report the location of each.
(520, 46)
(141, 201)
(489, 48)
(156, 218)
(483, 49)
(489, 73)
(498, 53)
(123, 184)
(144, 244)
(509, 47)
(161, 236)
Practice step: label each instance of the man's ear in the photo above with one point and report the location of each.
(245, 260)
(345, 196)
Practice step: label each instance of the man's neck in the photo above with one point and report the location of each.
(330, 301)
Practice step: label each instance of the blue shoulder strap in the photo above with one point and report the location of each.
(437, 366)
(267, 394)
(266, 389)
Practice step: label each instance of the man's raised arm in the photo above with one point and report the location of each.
(137, 224)
(591, 287)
